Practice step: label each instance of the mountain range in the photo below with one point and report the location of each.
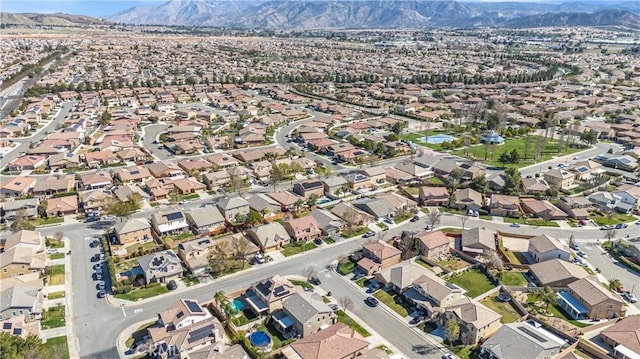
(314, 14)
(57, 19)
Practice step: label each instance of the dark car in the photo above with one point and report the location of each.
(172, 285)
(415, 219)
(101, 294)
(371, 301)
(315, 280)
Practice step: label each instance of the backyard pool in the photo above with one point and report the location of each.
(260, 340)
(436, 139)
(238, 304)
(322, 201)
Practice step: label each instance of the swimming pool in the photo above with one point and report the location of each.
(238, 304)
(323, 201)
(260, 340)
(436, 139)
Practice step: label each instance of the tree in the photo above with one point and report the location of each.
(345, 303)
(21, 222)
(548, 296)
(311, 201)
(512, 181)
(572, 240)
(309, 272)
(237, 183)
(254, 217)
(463, 219)
(504, 158)
(105, 118)
(480, 184)
(277, 175)
(433, 217)
(352, 218)
(611, 233)
(514, 156)
(493, 260)
(218, 259)
(14, 347)
(615, 284)
(452, 329)
(241, 248)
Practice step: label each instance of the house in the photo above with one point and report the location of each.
(161, 266)
(95, 199)
(64, 160)
(266, 296)
(434, 245)
(397, 176)
(170, 222)
(351, 215)
(124, 193)
(378, 255)
(357, 181)
(303, 228)
(336, 342)
(308, 188)
(623, 162)
(195, 254)
(628, 194)
(165, 169)
(586, 298)
(335, 186)
(522, 340)
(534, 186)
(51, 185)
(288, 201)
(26, 162)
(559, 178)
(233, 208)
(135, 174)
(28, 205)
(467, 198)
(556, 273)
(17, 186)
(586, 170)
(478, 240)
(95, 180)
(265, 205)
(215, 180)
(303, 314)
(475, 320)
(623, 337)
(416, 170)
(377, 175)
(62, 206)
(132, 230)
(21, 304)
(206, 220)
(270, 236)
(433, 196)
(575, 207)
(542, 209)
(188, 185)
(329, 223)
(505, 206)
(23, 253)
(379, 208)
(543, 248)
(185, 329)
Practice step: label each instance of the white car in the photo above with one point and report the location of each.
(259, 258)
(52, 251)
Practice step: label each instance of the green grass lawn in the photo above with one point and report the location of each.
(143, 293)
(356, 232)
(56, 275)
(53, 243)
(291, 248)
(556, 311)
(57, 256)
(551, 150)
(151, 245)
(381, 225)
(435, 182)
(302, 283)
(423, 263)
(43, 221)
(390, 302)
(451, 230)
(414, 191)
(506, 310)
(515, 279)
(329, 240)
(57, 348)
(53, 318)
(402, 217)
(346, 267)
(55, 295)
(361, 281)
(615, 219)
(347, 320)
(474, 281)
(139, 334)
(416, 138)
(531, 222)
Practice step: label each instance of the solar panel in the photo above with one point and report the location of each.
(193, 306)
(201, 333)
(533, 335)
(135, 172)
(173, 216)
(6, 326)
(17, 331)
(179, 315)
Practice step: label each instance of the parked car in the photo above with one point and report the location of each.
(184, 202)
(582, 254)
(357, 276)
(575, 247)
(109, 217)
(52, 251)
(368, 234)
(259, 258)
(621, 226)
(388, 220)
(630, 297)
(172, 285)
(415, 219)
(333, 306)
(102, 294)
(371, 301)
(514, 225)
(315, 280)
(100, 286)
(97, 266)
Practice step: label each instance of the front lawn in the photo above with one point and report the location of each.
(355, 232)
(301, 283)
(143, 293)
(55, 295)
(54, 243)
(531, 222)
(615, 219)
(347, 320)
(515, 279)
(293, 248)
(56, 274)
(361, 281)
(56, 256)
(451, 230)
(390, 301)
(139, 334)
(382, 225)
(346, 267)
(474, 281)
(53, 317)
(402, 217)
(505, 309)
(550, 150)
(44, 221)
(57, 347)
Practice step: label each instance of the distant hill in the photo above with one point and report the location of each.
(601, 18)
(49, 19)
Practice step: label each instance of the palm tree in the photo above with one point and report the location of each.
(615, 284)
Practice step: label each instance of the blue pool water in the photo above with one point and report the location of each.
(238, 304)
(436, 139)
(323, 200)
(259, 339)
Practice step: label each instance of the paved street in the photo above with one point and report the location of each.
(151, 133)
(610, 269)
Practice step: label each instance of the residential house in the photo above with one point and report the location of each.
(169, 222)
(165, 169)
(475, 320)
(161, 266)
(542, 209)
(335, 186)
(623, 337)
(132, 230)
(303, 314)
(193, 166)
(215, 180)
(28, 205)
(159, 188)
(64, 160)
(265, 205)
(303, 228)
(188, 185)
(330, 224)
(628, 194)
(21, 304)
(559, 178)
(62, 206)
(95, 180)
(478, 240)
(195, 254)
(206, 220)
(556, 273)
(95, 199)
(378, 255)
(288, 201)
(586, 170)
(505, 206)
(397, 176)
(433, 196)
(434, 245)
(522, 340)
(543, 248)
(623, 162)
(222, 160)
(575, 207)
(266, 296)
(534, 186)
(17, 186)
(471, 171)
(467, 198)
(124, 193)
(23, 253)
(233, 208)
(270, 236)
(309, 188)
(378, 207)
(336, 342)
(357, 181)
(377, 175)
(416, 170)
(352, 215)
(586, 298)
(135, 174)
(26, 162)
(51, 185)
